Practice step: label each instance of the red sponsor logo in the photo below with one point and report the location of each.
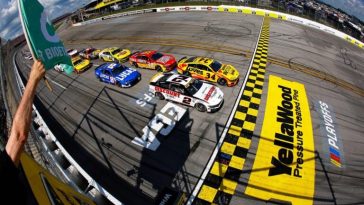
(209, 8)
(168, 92)
(167, 9)
(208, 95)
(187, 8)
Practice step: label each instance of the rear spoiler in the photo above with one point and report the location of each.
(182, 59)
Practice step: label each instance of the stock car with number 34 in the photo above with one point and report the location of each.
(117, 74)
(153, 60)
(186, 90)
(209, 70)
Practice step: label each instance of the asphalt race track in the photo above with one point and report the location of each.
(96, 122)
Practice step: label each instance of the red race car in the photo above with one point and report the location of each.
(153, 60)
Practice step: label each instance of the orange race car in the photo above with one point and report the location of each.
(153, 60)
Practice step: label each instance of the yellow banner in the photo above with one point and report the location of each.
(47, 189)
(106, 3)
(284, 166)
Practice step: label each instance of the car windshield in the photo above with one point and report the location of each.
(77, 62)
(194, 86)
(117, 70)
(115, 51)
(215, 66)
(157, 56)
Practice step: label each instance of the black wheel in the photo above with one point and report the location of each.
(99, 79)
(186, 73)
(221, 81)
(200, 107)
(135, 64)
(158, 68)
(159, 96)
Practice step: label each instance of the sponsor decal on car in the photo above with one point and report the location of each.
(209, 93)
(166, 91)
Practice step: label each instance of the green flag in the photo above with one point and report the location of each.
(41, 37)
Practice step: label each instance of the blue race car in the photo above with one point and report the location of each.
(117, 74)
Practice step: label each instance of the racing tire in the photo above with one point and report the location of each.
(200, 107)
(159, 96)
(221, 81)
(186, 73)
(158, 68)
(135, 64)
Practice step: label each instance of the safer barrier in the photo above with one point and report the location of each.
(38, 119)
(238, 9)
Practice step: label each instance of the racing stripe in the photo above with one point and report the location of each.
(221, 181)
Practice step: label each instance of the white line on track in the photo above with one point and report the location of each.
(217, 148)
(54, 82)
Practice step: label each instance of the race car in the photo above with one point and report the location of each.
(208, 69)
(90, 53)
(80, 64)
(186, 90)
(114, 54)
(117, 74)
(153, 60)
(72, 53)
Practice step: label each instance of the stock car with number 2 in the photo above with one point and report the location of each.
(117, 74)
(153, 60)
(208, 69)
(186, 90)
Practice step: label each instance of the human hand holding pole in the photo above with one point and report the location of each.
(22, 119)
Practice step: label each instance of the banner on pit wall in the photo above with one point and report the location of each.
(106, 3)
(41, 37)
(46, 188)
(284, 166)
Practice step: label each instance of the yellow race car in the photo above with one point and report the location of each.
(209, 70)
(80, 64)
(114, 54)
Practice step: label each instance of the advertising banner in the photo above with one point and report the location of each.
(40, 34)
(284, 166)
(47, 189)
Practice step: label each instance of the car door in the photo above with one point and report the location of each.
(142, 61)
(207, 73)
(177, 92)
(104, 76)
(194, 70)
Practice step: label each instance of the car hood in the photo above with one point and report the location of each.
(127, 74)
(210, 94)
(166, 60)
(229, 72)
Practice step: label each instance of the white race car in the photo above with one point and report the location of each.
(186, 90)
